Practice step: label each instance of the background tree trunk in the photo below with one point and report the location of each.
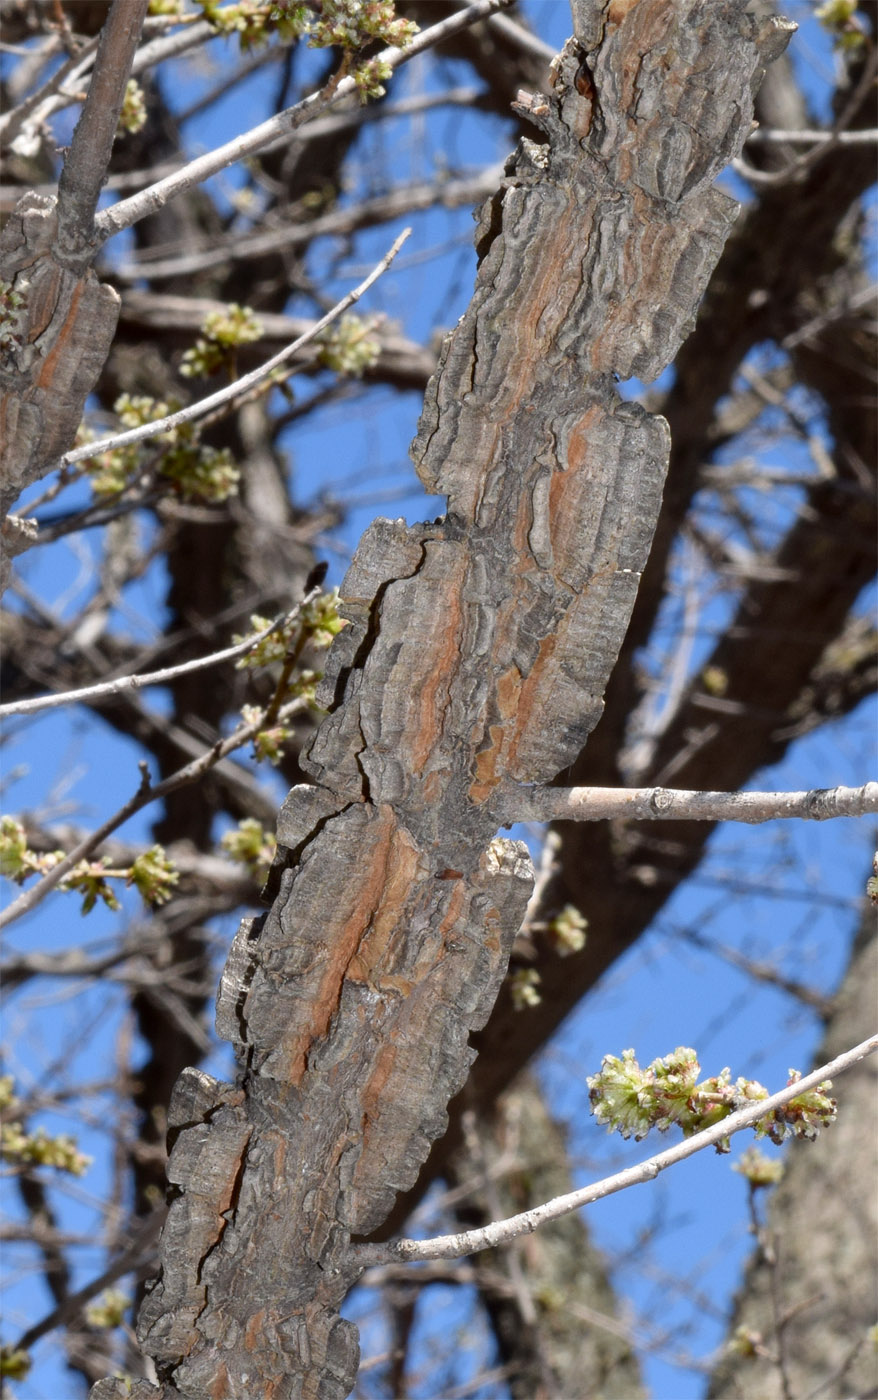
(808, 1297)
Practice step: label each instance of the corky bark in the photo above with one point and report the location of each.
(476, 657)
(58, 338)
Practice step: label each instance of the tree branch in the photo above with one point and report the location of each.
(588, 804)
(765, 136)
(392, 924)
(146, 793)
(89, 693)
(86, 165)
(135, 1258)
(797, 167)
(406, 199)
(239, 386)
(503, 1231)
(148, 201)
(53, 96)
(400, 360)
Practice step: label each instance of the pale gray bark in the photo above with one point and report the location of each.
(477, 655)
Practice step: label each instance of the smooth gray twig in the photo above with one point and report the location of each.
(669, 804)
(239, 386)
(502, 1231)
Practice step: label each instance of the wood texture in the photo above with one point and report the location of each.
(68, 323)
(59, 337)
(476, 656)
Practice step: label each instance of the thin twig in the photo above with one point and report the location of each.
(402, 201)
(502, 1231)
(760, 971)
(187, 314)
(240, 386)
(804, 137)
(803, 163)
(524, 39)
(669, 804)
(146, 793)
(65, 86)
(173, 45)
(148, 201)
(817, 323)
(88, 693)
(139, 1252)
(11, 122)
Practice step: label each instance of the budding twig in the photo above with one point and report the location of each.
(503, 1231)
(148, 201)
(239, 386)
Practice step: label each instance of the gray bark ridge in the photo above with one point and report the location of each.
(476, 657)
(54, 346)
(52, 359)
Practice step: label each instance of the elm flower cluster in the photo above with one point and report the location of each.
(347, 24)
(760, 1170)
(221, 333)
(568, 931)
(631, 1100)
(251, 845)
(195, 471)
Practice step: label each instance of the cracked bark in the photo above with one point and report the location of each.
(476, 657)
(777, 650)
(62, 335)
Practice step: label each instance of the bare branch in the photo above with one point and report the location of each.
(502, 1231)
(760, 971)
(764, 136)
(526, 41)
(818, 323)
(146, 793)
(86, 165)
(173, 45)
(588, 804)
(11, 122)
(88, 693)
(65, 86)
(406, 199)
(129, 211)
(136, 1257)
(818, 152)
(314, 131)
(239, 386)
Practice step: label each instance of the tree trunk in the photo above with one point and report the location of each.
(476, 659)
